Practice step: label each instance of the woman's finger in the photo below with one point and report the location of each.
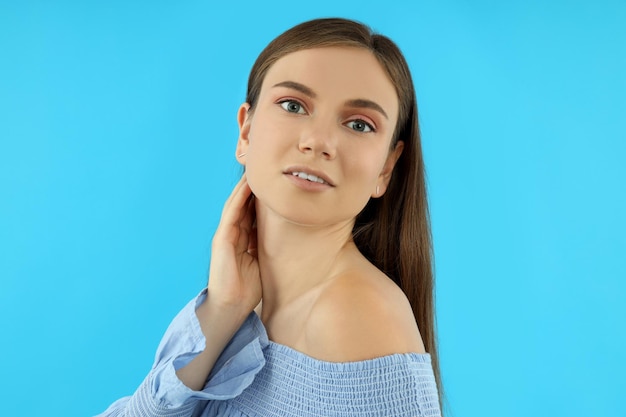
(236, 193)
(248, 229)
(235, 207)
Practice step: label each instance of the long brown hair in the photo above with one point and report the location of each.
(392, 232)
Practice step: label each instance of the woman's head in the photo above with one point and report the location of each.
(406, 190)
(335, 32)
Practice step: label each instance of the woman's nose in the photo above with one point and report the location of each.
(319, 142)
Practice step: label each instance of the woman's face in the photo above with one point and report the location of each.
(317, 143)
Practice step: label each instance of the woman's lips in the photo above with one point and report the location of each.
(309, 177)
(309, 174)
(307, 182)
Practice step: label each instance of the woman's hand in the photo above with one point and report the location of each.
(234, 277)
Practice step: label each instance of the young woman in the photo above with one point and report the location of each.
(320, 292)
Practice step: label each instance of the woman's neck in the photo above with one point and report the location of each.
(295, 259)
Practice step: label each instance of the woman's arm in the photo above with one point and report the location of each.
(218, 326)
(234, 283)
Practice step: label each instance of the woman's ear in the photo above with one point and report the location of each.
(244, 116)
(385, 174)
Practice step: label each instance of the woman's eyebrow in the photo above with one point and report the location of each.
(297, 86)
(367, 104)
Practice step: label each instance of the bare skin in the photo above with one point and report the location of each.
(319, 294)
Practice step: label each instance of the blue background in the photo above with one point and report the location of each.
(117, 138)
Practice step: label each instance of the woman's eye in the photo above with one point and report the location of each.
(292, 106)
(360, 126)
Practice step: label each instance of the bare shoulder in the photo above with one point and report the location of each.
(361, 315)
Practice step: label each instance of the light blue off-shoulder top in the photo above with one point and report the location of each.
(255, 377)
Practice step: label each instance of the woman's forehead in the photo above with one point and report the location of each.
(340, 71)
